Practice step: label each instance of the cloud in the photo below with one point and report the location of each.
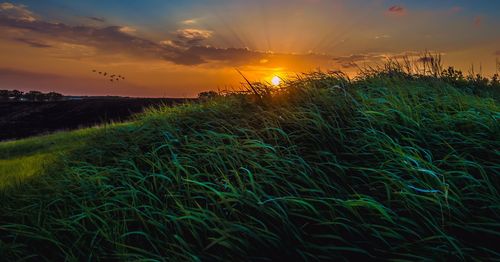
(231, 57)
(351, 60)
(110, 39)
(170, 44)
(235, 56)
(349, 65)
(397, 10)
(192, 36)
(189, 22)
(183, 50)
(127, 29)
(186, 46)
(16, 12)
(97, 19)
(33, 42)
(497, 53)
(354, 60)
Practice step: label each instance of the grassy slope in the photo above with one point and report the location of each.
(392, 168)
(20, 160)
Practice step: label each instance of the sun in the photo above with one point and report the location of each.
(276, 81)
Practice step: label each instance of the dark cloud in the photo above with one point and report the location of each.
(235, 55)
(349, 65)
(352, 60)
(33, 42)
(97, 19)
(396, 10)
(355, 60)
(408, 54)
(185, 58)
(107, 39)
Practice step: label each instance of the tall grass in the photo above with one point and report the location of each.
(388, 166)
(25, 159)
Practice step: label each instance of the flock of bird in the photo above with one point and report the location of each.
(109, 76)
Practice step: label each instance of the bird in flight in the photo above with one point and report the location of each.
(109, 76)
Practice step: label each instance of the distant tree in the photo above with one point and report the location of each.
(4, 94)
(495, 81)
(452, 74)
(34, 96)
(53, 96)
(207, 95)
(16, 94)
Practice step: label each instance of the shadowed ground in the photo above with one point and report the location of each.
(24, 119)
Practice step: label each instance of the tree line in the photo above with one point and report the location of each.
(16, 95)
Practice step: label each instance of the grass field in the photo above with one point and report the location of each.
(391, 165)
(22, 159)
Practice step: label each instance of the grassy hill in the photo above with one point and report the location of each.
(392, 166)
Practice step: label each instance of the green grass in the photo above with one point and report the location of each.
(20, 160)
(392, 167)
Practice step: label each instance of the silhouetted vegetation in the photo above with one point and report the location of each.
(16, 95)
(430, 67)
(207, 95)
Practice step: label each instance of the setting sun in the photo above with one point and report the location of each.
(276, 81)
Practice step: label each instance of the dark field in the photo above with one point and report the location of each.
(24, 119)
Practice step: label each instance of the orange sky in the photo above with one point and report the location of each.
(181, 50)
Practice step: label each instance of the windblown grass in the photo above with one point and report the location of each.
(23, 159)
(387, 166)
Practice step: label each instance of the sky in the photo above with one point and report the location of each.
(180, 48)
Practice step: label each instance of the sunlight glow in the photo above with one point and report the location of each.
(276, 81)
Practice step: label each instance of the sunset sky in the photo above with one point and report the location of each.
(179, 48)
